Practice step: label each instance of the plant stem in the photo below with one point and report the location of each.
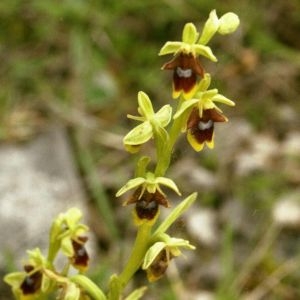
(138, 252)
(89, 286)
(164, 159)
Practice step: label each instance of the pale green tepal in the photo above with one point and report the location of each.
(150, 182)
(152, 123)
(188, 45)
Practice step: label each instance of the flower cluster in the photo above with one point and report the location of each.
(40, 277)
(196, 115)
(191, 82)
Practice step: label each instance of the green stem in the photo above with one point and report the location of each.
(89, 286)
(138, 252)
(164, 159)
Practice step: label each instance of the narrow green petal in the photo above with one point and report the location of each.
(168, 183)
(190, 34)
(170, 47)
(152, 253)
(131, 184)
(205, 51)
(210, 28)
(136, 118)
(222, 99)
(177, 242)
(228, 23)
(145, 105)
(185, 106)
(164, 115)
(139, 134)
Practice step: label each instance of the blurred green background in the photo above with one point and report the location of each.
(82, 62)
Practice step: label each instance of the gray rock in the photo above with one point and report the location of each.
(38, 181)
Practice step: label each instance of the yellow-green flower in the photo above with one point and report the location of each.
(30, 284)
(158, 256)
(201, 112)
(152, 123)
(70, 235)
(148, 195)
(186, 65)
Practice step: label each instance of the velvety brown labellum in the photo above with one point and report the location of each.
(32, 283)
(202, 128)
(159, 265)
(148, 197)
(186, 68)
(81, 257)
(146, 210)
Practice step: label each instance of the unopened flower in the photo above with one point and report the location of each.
(151, 123)
(200, 113)
(227, 24)
(158, 256)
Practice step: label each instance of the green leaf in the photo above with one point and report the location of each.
(176, 213)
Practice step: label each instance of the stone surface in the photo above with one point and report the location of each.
(38, 180)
